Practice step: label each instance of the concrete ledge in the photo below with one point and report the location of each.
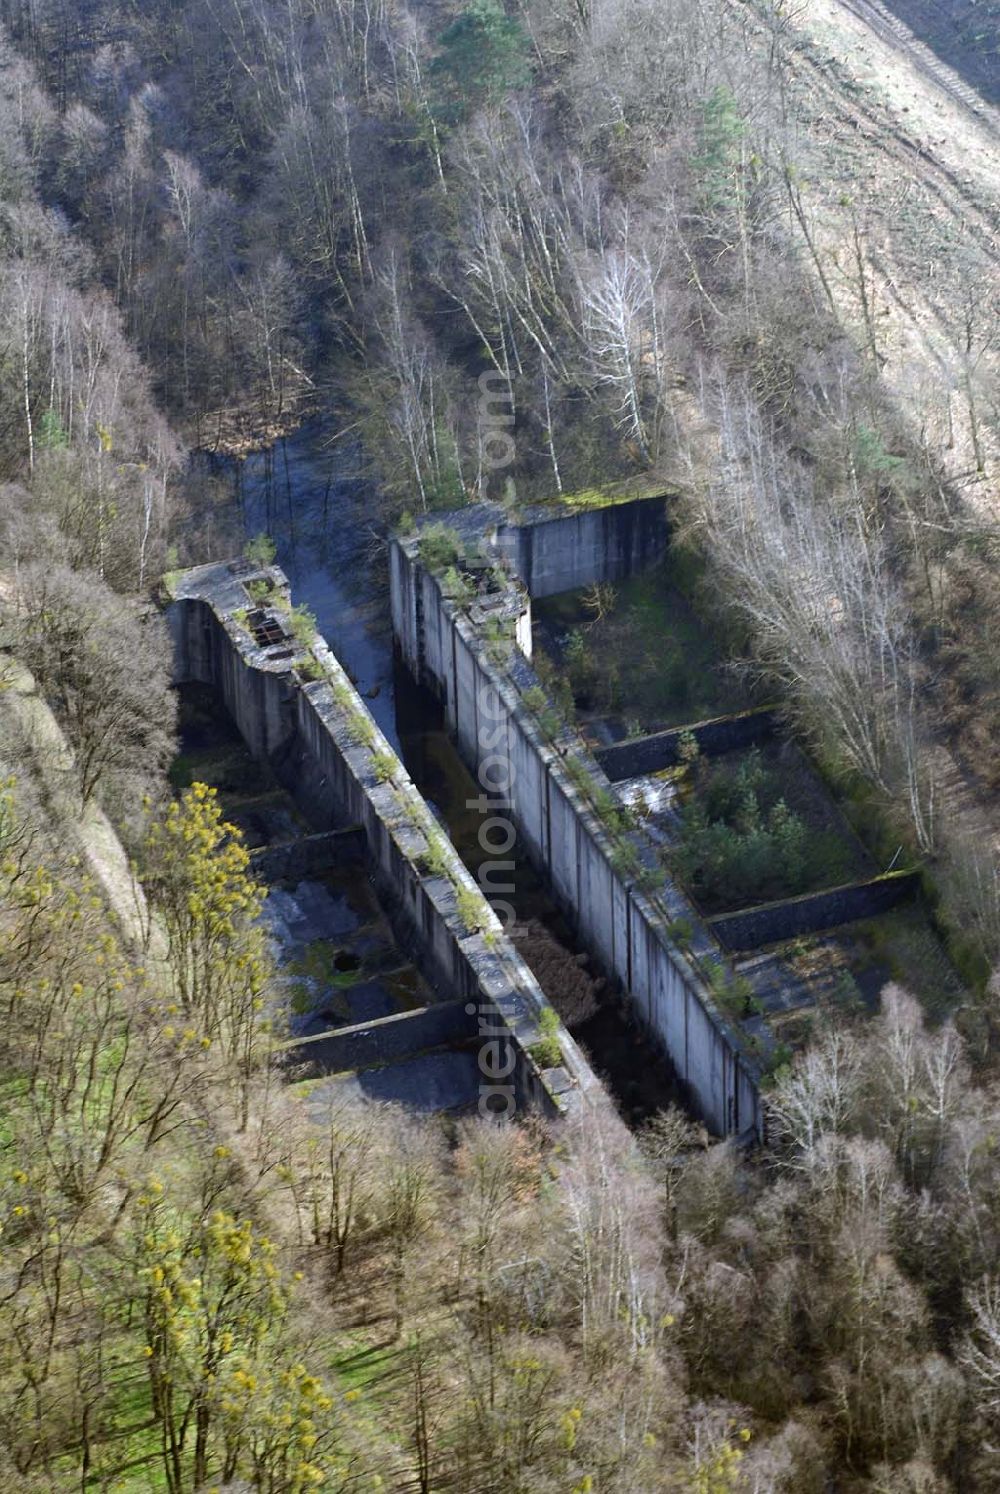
(661, 749)
(370, 1044)
(812, 913)
(309, 856)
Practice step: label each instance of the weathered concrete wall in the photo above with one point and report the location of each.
(625, 930)
(556, 547)
(327, 749)
(573, 549)
(661, 749)
(259, 700)
(386, 1040)
(813, 912)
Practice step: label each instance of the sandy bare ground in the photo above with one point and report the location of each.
(896, 145)
(82, 829)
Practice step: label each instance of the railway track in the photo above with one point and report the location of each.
(869, 119)
(894, 31)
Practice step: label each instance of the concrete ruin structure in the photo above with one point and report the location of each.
(448, 647)
(465, 632)
(297, 710)
(463, 629)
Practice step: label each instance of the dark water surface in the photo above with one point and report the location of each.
(308, 493)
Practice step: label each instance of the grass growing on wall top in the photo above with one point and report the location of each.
(604, 495)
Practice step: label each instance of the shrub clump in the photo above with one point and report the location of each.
(471, 908)
(457, 586)
(302, 622)
(740, 843)
(439, 547)
(383, 766)
(547, 1052)
(310, 668)
(433, 861)
(260, 550)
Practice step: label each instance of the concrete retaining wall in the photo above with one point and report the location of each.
(770, 923)
(573, 549)
(325, 747)
(624, 929)
(557, 546)
(371, 1044)
(662, 749)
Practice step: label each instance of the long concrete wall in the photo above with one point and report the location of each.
(625, 929)
(813, 912)
(325, 746)
(662, 749)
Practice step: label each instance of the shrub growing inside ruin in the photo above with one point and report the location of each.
(361, 730)
(740, 842)
(457, 586)
(471, 908)
(302, 623)
(310, 668)
(547, 1052)
(383, 766)
(260, 550)
(434, 860)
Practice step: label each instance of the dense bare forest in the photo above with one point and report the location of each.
(219, 217)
